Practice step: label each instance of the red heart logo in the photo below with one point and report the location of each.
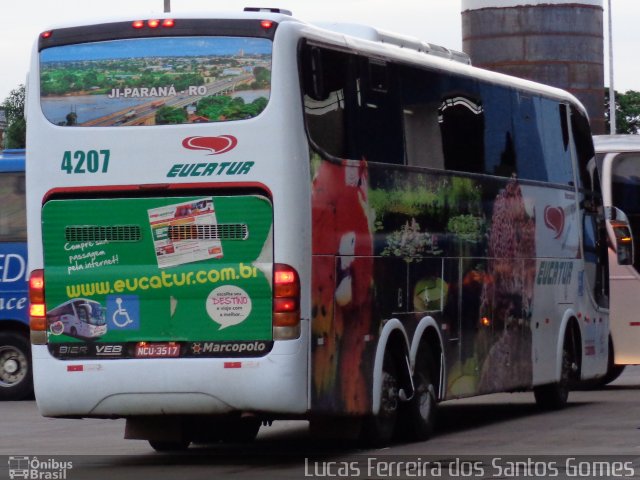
(554, 219)
(215, 145)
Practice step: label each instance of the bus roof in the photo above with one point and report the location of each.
(616, 143)
(12, 160)
(361, 38)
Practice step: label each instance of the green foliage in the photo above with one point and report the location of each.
(101, 77)
(15, 135)
(627, 112)
(227, 108)
(455, 195)
(263, 78)
(170, 115)
(410, 243)
(13, 105)
(466, 227)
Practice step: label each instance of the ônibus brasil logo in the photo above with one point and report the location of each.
(215, 145)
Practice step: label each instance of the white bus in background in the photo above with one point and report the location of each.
(618, 159)
(357, 227)
(78, 318)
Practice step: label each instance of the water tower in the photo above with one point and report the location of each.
(557, 42)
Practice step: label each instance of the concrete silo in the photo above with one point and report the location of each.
(557, 42)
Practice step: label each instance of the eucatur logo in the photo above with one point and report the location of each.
(554, 219)
(215, 145)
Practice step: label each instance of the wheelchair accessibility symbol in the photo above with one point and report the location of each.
(123, 312)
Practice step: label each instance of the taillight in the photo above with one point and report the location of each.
(154, 23)
(37, 308)
(286, 300)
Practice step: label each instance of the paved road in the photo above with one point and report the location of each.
(601, 422)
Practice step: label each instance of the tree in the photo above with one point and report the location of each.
(15, 136)
(627, 111)
(170, 115)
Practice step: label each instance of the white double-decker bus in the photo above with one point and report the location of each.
(282, 220)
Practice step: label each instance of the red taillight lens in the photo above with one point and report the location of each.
(266, 24)
(168, 23)
(37, 308)
(285, 305)
(286, 296)
(138, 24)
(153, 23)
(46, 34)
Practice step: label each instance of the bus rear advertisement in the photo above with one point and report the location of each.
(330, 227)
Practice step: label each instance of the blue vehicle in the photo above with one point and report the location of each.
(15, 352)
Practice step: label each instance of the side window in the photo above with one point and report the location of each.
(555, 141)
(584, 148)
(352, 105)
(421, 101)
(13, 215)
(528, 137)
(324, 80)
(378, 122)
(625, 192)
(462, 124)
(500, 152)
(590, 197)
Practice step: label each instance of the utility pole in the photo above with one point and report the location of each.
(167, 6)
(612, 92)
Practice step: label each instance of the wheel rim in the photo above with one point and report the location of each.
(426, 394)
(13, 366)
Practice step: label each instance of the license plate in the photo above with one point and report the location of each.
(157, 350)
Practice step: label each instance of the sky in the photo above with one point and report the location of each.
(435, 21)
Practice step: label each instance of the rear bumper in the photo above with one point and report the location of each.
(276, 383)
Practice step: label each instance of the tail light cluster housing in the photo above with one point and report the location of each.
(286, 302)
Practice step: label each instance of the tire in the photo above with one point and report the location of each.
(16, 375)
(613, 370)
(554, 396)
(169, 445)
(379, 430)
(418, 415)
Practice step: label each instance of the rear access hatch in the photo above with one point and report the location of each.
(159, 277)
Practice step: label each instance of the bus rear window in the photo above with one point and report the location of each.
(155, 81)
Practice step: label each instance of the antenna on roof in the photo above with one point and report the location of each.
(167, 6)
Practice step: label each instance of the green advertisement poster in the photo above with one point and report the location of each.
(158, 277)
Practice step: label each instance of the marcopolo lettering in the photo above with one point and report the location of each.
(213, 347)
(209, 169)
(230, 349)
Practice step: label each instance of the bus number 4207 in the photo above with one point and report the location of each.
(80, 161)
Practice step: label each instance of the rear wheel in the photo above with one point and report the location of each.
(16, 377)
(379, 429)
(554, 396)
(418, 415)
